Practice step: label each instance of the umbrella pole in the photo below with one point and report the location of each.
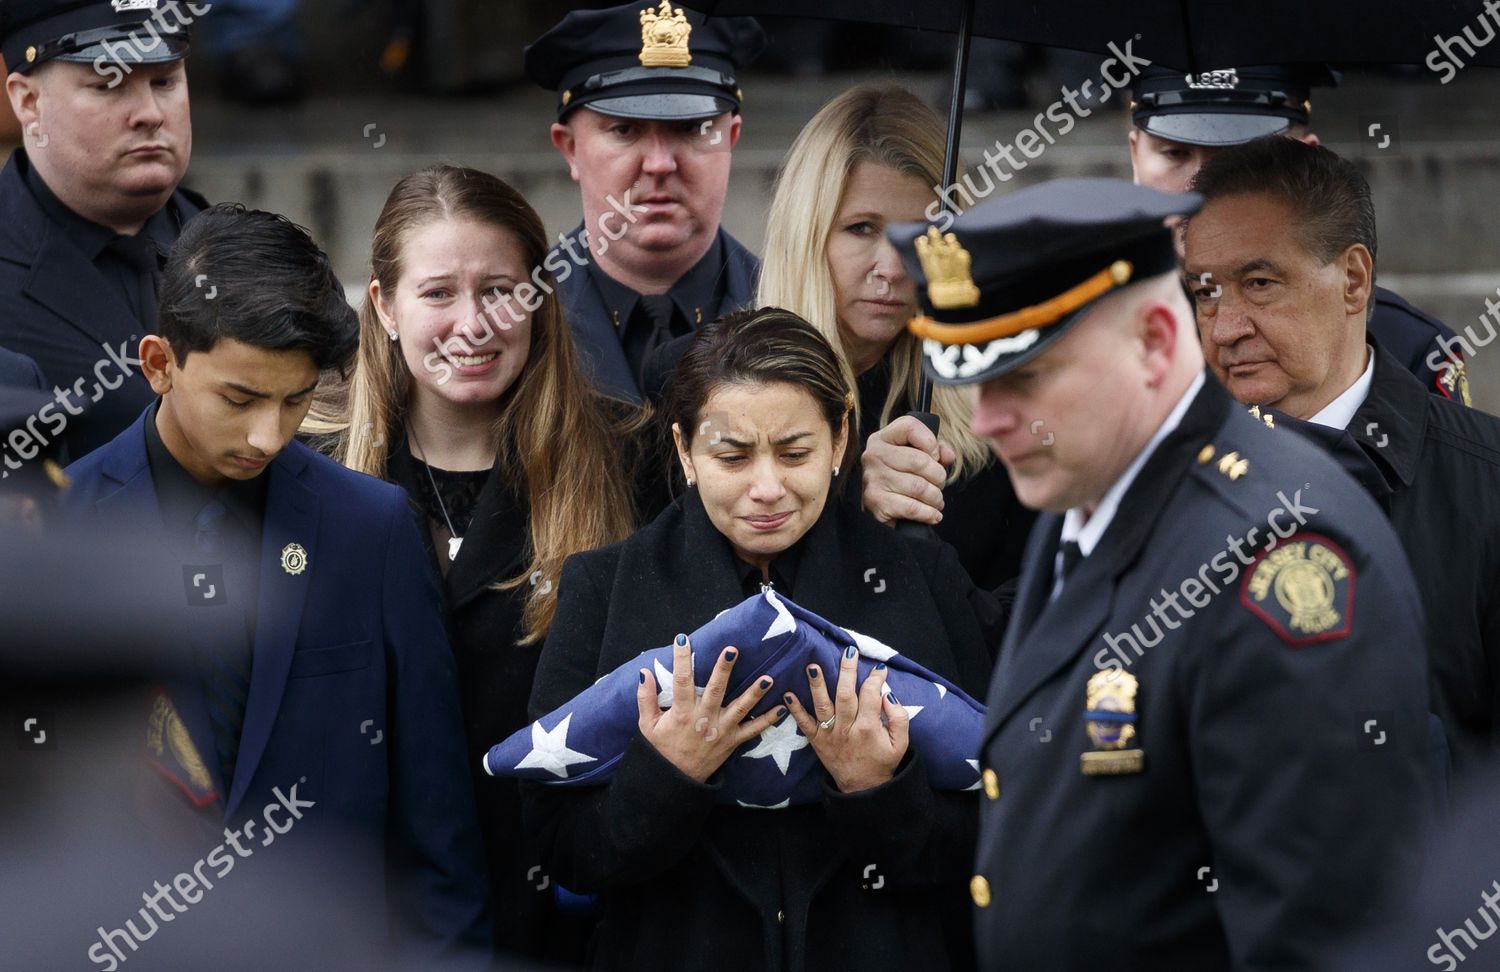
(923, 412)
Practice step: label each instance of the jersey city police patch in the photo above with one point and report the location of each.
(1303, 590)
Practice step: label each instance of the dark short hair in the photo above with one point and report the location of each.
(257, 278)
(757, 347)
(1330, 198)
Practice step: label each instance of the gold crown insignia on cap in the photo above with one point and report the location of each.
(664, 37)
(947, 266)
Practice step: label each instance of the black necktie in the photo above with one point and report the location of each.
(226, 675)
(142, 257)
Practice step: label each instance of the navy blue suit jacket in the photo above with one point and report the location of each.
(352, 646)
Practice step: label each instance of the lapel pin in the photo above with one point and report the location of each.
(293, 559)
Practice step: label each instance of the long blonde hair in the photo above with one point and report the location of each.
(555, 439)
(889, 126)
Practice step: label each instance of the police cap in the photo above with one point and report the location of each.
(640, 61)
(1229, 106)
(33, 32)
(1013, 275)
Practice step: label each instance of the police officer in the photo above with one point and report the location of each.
(1183, 119)
(91, 203)
(1295, 338)
(648, 112)
(1205, 738)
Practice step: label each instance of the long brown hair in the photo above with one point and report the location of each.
(556, 438)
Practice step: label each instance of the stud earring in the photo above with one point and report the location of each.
(392, 334)
(835, 472)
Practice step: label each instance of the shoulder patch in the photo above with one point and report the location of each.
(1452, 381)
(1303, 590)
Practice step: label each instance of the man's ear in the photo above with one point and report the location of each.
(1359, 280)
(1311, 139)
(158, 363)
(735, 124)
(566, 144)
(25, 96)
(1158, 330)
(1135, 148)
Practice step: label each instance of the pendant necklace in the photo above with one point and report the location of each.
(454, 540)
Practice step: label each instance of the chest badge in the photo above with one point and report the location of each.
(1110, 721)
(293, 559)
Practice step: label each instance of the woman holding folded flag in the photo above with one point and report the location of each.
(873, 871)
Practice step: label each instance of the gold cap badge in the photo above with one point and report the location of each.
(31, 54)
(664, 37)
(948, 269)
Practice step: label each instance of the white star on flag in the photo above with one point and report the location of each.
(942, 689)
(664, 686)
(974, 763)
(549, 750)
(773, 806)
(911, 710)
(779, 742)
(873, 648)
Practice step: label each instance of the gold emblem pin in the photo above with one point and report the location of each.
(293, 559)
(31, 55)
(1110, 721)
(664, 37)
(948, 268)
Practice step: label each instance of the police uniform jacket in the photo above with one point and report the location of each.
(594, 331)
(1414, 338)
(57, 308)
(689, 884)
(1280, 782)
(1434, 466)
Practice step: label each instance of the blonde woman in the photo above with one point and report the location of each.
(466, 392)
(870, 158)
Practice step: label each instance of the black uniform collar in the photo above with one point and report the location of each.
(1392, 423)
(90, 237)
(696, 295)
(181, 497)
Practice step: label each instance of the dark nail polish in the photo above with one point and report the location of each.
(765, 683)
(849, 652)
(729, 654)
(812, 671)
(880, 666)
(643, 678)
(894, 700)
(680, 640)
(787, 698)
(781, 712)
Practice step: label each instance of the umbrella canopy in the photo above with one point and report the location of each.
(580, 743)
(1194, 35)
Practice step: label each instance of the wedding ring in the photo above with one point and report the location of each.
(829, 723)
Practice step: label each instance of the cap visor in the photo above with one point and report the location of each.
(662, 106)
(126, 51)
(1216, 129)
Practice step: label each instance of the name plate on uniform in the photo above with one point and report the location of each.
(1112, 762)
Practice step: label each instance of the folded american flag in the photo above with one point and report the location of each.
(580, 743)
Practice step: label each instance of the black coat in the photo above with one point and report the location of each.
(689, 884)
(1266, 815)
(59, 310)
(495, 674)
(19, 371)
(1434, 466)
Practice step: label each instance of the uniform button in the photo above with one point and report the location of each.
(991, 784)
(979, 890)
(781, 917)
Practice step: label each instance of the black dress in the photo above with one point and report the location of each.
(689, 884)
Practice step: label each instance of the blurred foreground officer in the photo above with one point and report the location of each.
(1182, 120)
(1281, 262)
(30, 477)
(648, 113)
(1174, 767)
(90, 205)
(327, 681)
